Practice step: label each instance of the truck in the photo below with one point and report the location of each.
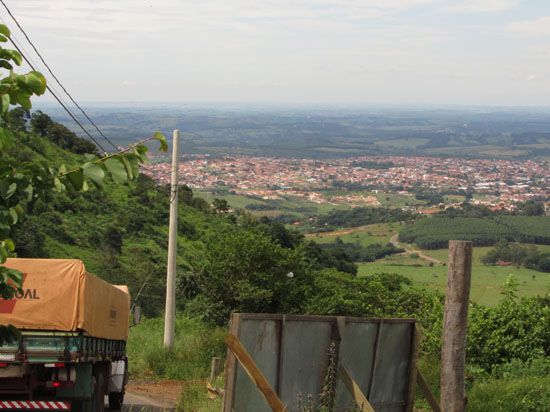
(71, 352)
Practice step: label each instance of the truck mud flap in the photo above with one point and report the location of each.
(35, 406)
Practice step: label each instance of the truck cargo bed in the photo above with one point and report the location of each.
(60, 295)
(52, 346)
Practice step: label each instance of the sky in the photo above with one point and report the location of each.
(466, 52)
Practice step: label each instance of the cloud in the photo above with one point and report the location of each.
(280, 50)
(480, 6)
(536, 27)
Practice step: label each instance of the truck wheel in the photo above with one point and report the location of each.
(116, 399)
(99, 394)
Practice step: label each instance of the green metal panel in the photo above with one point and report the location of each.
(262, 342)
(83, 385)
(292, 352)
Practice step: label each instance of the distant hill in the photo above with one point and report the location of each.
(328, 132)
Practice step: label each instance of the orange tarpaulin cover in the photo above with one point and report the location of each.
(58, 294)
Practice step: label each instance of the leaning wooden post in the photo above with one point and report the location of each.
(215, 368)
(455, 322)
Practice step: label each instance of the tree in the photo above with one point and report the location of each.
(220, 205)
(40, 122)
(244, 270)
(17, 118)
(532, 209)
(23, 183)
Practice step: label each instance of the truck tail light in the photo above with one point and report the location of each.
(55, 365)
(60, 384)
(3, 364)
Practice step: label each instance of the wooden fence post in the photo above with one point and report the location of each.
(455, 322)
(215, 368)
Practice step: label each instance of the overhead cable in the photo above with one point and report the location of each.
(55, 77)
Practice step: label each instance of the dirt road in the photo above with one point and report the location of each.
(140, 403)
(150, 397)
(410, 251)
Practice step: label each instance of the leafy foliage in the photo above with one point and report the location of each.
(434, 233)
(515, 386)
(244, 270)
(361, 216)
(22, 183)
(515, 329)
(519, 255)
(359, 253)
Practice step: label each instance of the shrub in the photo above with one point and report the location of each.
(515, 329)
(516, 386)
(194, 346)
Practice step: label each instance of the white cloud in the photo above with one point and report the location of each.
(285, 50)
(480, 6)
(536, 27)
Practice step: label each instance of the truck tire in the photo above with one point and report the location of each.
(99, 394)
(116, 399)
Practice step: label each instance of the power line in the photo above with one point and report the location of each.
(59, 100)
(14, 39)
(55, 77)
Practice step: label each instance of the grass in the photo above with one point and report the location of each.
(366, 235)
(284, 205)
(195, 398)
(487, 281)
(517, 394)
(395, 200)
(516, 386)
(194, 346)
(189, 361)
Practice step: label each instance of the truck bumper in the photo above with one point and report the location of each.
(35, 405)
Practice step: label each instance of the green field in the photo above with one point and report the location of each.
(487, 281)
(288, 205)
(366, 235)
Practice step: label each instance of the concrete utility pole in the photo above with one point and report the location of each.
(170, 313)
(455, 323)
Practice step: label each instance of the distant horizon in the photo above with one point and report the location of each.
(482, 52)
(267, 104)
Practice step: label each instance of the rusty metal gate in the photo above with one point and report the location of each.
(295, 353)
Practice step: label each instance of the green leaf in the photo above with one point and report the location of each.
(29, 190)
(16, 277)
(24, 99)
(7, 189)
(3, 39)
(134, 164)
(162, 140)
(117, 170)
(58, 185)
(38, 82)
(5, 103)
(94, 173)
(76, 179)
(4, 30)
(13, 215)
(16, 57)
(8, 243)
(33, 82)
(5, 139)
(6, 65)
(3, 254)
(140, 151)
(128, 167)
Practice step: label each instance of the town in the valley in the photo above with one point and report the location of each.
(361, 181)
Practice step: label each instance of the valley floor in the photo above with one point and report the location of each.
(427, 268)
